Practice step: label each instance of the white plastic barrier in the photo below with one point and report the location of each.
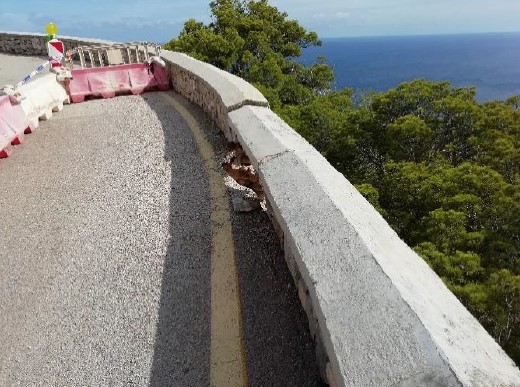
(43, 96)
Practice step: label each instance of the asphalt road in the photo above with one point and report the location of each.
(14, 68)
(107, 248)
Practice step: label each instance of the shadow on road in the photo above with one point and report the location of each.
(279, 349)
(181, 353)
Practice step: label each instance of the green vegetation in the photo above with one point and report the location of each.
(441, 168)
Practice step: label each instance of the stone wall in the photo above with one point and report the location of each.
(34, 44)
(216, 91)
(199, 93)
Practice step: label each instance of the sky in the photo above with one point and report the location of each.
(161, 20)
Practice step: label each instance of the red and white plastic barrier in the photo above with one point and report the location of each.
(56, 51)
(29, 102)
(13, 124)
(109, 81)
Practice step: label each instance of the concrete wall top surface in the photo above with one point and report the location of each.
(234, 91)
(384, 314)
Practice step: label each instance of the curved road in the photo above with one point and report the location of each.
(123, 264)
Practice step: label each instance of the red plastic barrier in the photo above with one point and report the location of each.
(13, 124)
(107, 81)
(161, 77)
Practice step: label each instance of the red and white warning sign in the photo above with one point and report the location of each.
(56, 51)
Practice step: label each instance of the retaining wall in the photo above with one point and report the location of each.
(21, 43)
(379, 315)
(216, 91)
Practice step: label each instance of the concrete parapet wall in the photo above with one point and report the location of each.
(382, 315)
(214, 90)
(21, 43)
(379, 315)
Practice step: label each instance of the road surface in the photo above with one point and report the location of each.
(122, 262)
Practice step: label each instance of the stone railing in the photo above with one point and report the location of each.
(379, 315)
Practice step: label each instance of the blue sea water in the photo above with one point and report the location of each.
(491, 62)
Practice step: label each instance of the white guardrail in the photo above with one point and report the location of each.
(379, 315)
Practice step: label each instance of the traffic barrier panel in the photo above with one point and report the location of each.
(161, 77)
(5, 139)
(13, 124)
(43, 96)
(109, 81)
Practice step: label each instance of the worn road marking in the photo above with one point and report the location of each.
(228, 366)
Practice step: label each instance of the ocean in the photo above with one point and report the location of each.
(491, 62)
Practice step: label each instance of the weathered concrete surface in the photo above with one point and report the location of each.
(380, 312)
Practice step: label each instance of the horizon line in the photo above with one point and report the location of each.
(420, 34)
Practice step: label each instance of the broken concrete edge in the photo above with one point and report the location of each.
(445, 345)
(432, 340)
(452, 348)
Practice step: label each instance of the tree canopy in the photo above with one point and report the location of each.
(257, 42)
(442, 169)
